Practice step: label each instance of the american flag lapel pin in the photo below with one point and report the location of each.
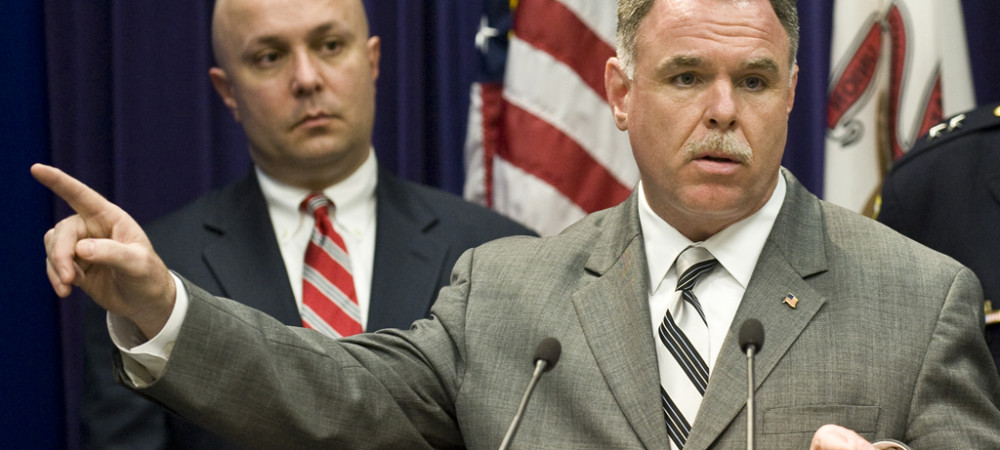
(791, 300)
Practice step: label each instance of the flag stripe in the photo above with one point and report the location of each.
(553, 92)
(599, 16)
(541, 150)
(557, 153)
(492, 132)
(576, 45)
(476, 167)
(532, 201)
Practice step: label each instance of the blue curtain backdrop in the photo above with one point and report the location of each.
(116, 93)
(31, 394)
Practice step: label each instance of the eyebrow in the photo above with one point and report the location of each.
(276, 40)
(761, 64)
(267, 41)
(324, 29)
(680, 62)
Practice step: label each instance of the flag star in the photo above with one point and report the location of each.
(484, 34)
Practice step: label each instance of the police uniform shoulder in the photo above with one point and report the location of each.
(982, 119)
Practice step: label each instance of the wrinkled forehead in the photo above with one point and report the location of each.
(236, 22)
(681, 25)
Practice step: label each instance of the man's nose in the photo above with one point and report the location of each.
(305, 78)
(722, 106)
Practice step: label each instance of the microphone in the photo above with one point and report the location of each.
(546, 357)
(751, 340)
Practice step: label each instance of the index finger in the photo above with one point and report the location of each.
(79, 196)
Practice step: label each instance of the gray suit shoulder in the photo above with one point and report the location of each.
(569, 250)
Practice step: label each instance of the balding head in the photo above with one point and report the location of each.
(299, 75)
(227, 13)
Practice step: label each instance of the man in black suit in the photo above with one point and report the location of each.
(945, 194)
(305, 95)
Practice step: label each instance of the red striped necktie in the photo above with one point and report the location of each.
(329, 303)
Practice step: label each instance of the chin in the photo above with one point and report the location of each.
(719, 205)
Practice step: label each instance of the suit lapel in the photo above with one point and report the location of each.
(613, 311)
(243, 252)
(794, 251)
(408, 262)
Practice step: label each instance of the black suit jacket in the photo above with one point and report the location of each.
(945, 194)
(224, 242)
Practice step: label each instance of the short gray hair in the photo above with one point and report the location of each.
(631, 13)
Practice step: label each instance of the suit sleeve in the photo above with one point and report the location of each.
(957, 388)
(246, 376)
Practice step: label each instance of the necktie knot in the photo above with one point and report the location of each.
(316, 203)
(692, 264)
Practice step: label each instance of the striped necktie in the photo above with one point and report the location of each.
(329, 303)
(684, 335)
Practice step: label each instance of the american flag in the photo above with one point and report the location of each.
(542, 147)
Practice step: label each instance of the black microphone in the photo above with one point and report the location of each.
(546, 357)
(751, 340)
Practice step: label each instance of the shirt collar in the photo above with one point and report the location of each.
(353, 197)
(737, 247)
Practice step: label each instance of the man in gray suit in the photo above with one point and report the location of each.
(869, 335)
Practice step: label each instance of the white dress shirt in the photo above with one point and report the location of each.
(737, 248)
(353, 218)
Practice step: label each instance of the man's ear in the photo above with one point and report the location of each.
(224, 87)
(793, 82)
(616, 87)
(374, 47)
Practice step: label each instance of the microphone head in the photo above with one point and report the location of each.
(751, 333)
(548, 350)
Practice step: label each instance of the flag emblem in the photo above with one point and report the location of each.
(791, 300)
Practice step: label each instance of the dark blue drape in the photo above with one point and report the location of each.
(32, 414)
(428, 62)
(807, 123)
(116, 93)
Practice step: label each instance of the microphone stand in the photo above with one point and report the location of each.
(514, 424)
(750, 403)
(751, 339)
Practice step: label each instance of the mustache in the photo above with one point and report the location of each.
(720, 144)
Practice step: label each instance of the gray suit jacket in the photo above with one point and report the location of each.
(886, 339)
(224, 242)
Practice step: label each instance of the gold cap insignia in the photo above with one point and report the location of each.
(992, 315)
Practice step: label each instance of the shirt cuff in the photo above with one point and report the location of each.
(144, 360)
(890, 444)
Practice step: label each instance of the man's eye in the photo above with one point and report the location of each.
(754, 83)
(267, 58)
(685, 79)
(332, 45)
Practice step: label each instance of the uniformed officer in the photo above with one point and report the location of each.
(945, 193)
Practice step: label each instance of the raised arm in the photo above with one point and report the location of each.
(103, 250)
